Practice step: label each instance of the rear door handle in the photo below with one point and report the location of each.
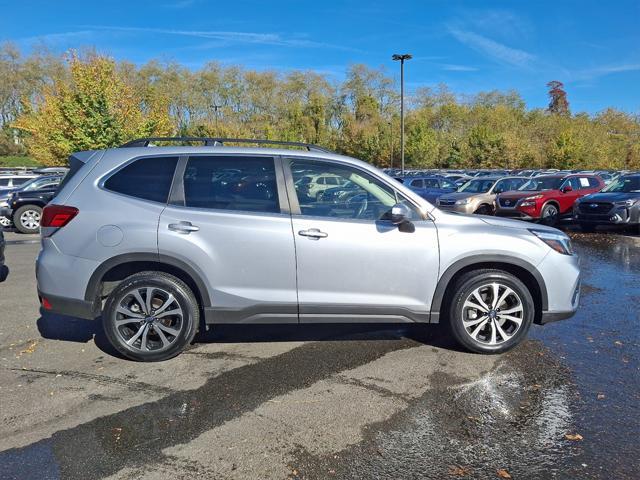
(183, 227)
(313, 233)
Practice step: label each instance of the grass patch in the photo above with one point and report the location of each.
(12, 161)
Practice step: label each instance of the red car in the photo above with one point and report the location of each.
(547, 198)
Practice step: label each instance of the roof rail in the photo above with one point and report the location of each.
(219, 142)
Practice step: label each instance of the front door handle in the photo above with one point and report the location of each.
(183, 227)
(313, 233)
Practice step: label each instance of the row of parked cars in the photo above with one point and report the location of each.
(23, 195)
(589, 198)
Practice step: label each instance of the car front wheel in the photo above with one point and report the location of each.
(151, 316)
(27, 219)
(491, 311)
(549, 215)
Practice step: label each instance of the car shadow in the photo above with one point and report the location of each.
(70, 329)
(53, 326)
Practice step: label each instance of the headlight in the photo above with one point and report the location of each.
(627, 203)
(462, 202)
(532, 197)
(556, 240)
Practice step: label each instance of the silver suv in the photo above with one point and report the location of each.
(163, 241)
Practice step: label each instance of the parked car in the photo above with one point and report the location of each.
(478, 195)
(617, 204)
(547, 198)
(4, 270)
(131, 238)
(24, 206)
(430, 188)
(10, 182)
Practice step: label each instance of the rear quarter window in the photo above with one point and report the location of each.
(147, 178)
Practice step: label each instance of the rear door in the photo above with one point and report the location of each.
(230, 222)
(567, 199)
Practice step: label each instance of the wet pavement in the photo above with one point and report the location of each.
(349, 401)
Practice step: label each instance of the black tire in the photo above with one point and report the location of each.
(33, 227)
(464, 288)
(587, 227)
(185, 324)
(549, 215)
(484, 210)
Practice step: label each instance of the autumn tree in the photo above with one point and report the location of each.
(92, 109)
(558, 102)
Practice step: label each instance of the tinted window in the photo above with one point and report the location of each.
(232, 183)
(431, 183)
(359, 196)
(4, 182)
(416, 183)
(147, 178)
(20, 181)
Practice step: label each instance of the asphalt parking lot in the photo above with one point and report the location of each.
(325, 401)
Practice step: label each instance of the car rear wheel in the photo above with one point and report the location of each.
(151, 316)
(5, 222)
(549, 215)
(491, 311)
(27, 219)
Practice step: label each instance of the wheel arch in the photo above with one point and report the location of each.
(120, 267)
(523, 270)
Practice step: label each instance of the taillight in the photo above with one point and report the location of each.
(57, 216)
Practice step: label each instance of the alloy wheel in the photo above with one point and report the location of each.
(492, 314)
(149, 319)
(30, 219)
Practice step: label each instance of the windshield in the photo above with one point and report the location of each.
(539, 184)
(37, 183)
(477, 186)
(624, 185)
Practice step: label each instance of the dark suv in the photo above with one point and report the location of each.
(616, 204)
(24, 206)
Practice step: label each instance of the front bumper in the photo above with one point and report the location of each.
(513, 213)
(466, 208)
(616, 216)
(562, 277)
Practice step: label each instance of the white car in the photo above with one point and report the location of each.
(8, 182)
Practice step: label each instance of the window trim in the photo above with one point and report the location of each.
(293, 198)
(111, 173)
(177, 194)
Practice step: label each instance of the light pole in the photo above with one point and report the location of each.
(402, 58)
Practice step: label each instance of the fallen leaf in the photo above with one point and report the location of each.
(502, 473)
(575, 437)
(600, 396)
(459, 471)
(618, 342)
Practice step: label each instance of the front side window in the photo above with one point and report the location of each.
(232, 183)
(146, 178)
(359, 196)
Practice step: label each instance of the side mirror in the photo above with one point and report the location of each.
(567, 189)
(399, 214)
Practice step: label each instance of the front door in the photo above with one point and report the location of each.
(353, 265)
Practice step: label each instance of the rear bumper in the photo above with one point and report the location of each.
(68, 306)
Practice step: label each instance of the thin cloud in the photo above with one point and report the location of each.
(604, 70)
(272, 39)
(492, 49)
(458, 68)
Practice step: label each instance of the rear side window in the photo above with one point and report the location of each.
(231, 183)
(147, 178)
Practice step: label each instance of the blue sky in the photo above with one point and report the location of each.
(591, 46)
